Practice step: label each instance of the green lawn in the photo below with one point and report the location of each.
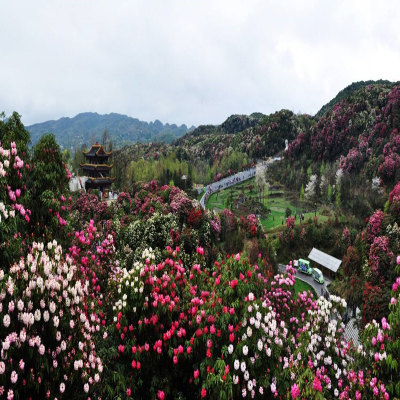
(301, 286)
(276, 202)
(218, 200)
(278, 213)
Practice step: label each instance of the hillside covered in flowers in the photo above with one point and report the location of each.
(135, 299)
(357, 132)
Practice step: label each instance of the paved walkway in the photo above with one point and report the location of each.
(310, 280)
(233, 180)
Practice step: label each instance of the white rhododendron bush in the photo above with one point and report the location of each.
(47, 349)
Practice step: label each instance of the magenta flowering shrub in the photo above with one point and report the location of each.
(390, 164)
(380, 256)
(395, 194)
(216, 226)
(394, 203)
(179, 203)
(95, 256)
(89, 207)
(57, 213)
(11, 168)
(374, 225)
(352, 162)
(381, 349)
(47, 347)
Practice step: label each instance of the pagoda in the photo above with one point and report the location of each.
(97, 168)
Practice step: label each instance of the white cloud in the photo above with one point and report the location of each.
(189, 62)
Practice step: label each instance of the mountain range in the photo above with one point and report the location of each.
(86, 128)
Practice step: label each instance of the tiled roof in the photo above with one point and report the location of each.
(96, 150)
(324, 259)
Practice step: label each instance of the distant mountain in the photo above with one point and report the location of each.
(86, 128)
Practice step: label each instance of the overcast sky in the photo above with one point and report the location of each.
(189, 61)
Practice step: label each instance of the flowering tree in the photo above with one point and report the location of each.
(48, 186)
(311, 187)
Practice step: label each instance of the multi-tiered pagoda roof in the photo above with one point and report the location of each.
(97, 168)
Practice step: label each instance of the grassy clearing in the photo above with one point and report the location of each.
(278, 213)
(301, 286)
(277, 201)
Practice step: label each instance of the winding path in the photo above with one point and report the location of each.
(310, 280)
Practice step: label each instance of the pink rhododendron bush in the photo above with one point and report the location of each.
(47, 347)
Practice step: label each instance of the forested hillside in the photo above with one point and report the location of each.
(217, 151)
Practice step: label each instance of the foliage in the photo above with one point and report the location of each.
(14, 215)
(47, 187)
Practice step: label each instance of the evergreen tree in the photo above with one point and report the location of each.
(302, 192)
(329, 193)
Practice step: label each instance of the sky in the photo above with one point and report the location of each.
(188, 61)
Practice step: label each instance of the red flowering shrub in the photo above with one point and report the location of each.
(394, 195)
(375, 302)
(351, 262)
(194, 217)
(290, 222)
(251, 224)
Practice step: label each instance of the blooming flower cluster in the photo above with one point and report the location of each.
(42, 304)
(228, 329)
(11, 168)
